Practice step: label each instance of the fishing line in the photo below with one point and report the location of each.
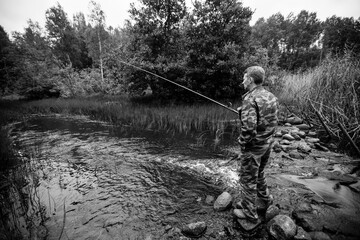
(199, 94)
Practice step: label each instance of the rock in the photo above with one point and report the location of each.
(247, 225)
(301, 134)
(288, 137)
(239, 213)
(332, 146)
(278, 134)
(319, 236)
(296, 155)
(209, 200)
(303, 214)
(194, 230)
(223, 201)
(284, 131)
(287, 125)
(321, 147)
(288, 148)
(295, 135)
(303, 147)
(312, 140)
(271, 212)
(303, 126)
(294, 120)
(282, 227)
(285, 142)
(302, 234)
(312, 134)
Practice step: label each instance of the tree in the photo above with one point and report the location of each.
(341, 35)
(8, 74)
(65, 43)
(218, 34)
(97, 18)
(302, 32)
(156, 41)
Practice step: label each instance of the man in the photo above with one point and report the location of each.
(258, 118)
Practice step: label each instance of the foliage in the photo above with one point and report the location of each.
(341, 35)
(334, 89)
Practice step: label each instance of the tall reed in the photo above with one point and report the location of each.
(334, 90)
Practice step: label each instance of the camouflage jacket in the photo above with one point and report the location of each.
(258, 117)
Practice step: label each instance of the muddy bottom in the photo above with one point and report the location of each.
(100, 182)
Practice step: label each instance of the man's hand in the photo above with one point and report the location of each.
(239, 112)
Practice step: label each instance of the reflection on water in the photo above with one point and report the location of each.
(330, 191)
(96, 185)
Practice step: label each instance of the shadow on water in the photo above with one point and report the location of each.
(96, 184)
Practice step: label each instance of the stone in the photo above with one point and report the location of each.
(239, 213)
(285, 142)
(303, 147)
(301, 134)
(247, 225)
(302, 234)
(288, 137)
(295, 136)
(282, 227)
(312, 140)
(284, 131)
(303, 126)
(271, 212)
(287, 125)
(319, 236)
(278, 134)
(194, 230)
(209, 200)
(312, 134)
(294, 120)
(223, 201)
(296, 155)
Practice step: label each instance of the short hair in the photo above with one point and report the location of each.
(257, 73)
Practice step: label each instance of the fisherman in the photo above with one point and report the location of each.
(259, 119)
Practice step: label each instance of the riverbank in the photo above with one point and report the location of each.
(91, 175)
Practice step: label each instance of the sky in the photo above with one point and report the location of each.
(14, 14)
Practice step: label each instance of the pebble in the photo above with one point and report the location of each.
(194, 230)
(303, 126)
(302, 234)
(209, 200)
(223, 201)
(285, 142)
(294, 120)
(312, 140)
(288, 137)
(271, 212)
(282, 227)
(312, 134)
(296, 155)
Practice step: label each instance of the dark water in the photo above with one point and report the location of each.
(96, 182)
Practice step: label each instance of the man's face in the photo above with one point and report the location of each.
(246, 81)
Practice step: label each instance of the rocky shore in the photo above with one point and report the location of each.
(316, 192)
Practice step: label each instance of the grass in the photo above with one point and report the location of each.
(333, 88)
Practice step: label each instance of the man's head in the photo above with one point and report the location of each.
(257, 73)
(253, 76)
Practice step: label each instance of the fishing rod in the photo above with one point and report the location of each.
(199, 94)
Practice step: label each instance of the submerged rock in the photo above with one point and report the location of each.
(194, 230)
(223, 201)
(282, 227)
(302, 234)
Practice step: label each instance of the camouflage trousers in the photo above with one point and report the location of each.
(252, 179)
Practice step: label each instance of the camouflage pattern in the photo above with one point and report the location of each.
(258, 123)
